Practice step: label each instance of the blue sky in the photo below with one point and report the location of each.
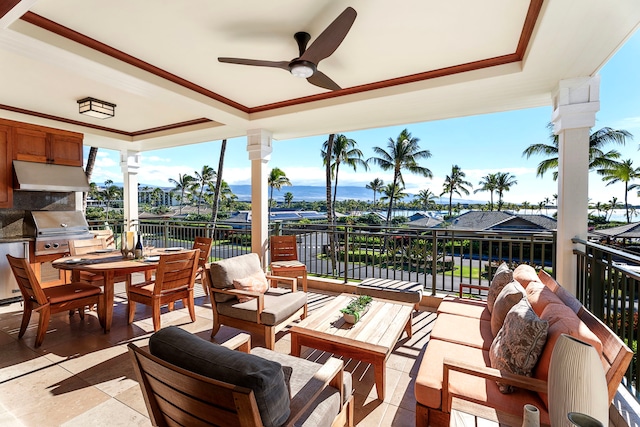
(478, 144)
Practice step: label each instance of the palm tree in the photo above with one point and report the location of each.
(110, 192)
(403, 153)
(622, 172)
(546, 205)
(156, 196)
(88, 171)
(504, 182)
(288, 198)
(277, 179)
(597, 157)
(613, 205)
(488, 183)
(205, 179)
(426, 199)
(344, 151)
(525, 206)
(218, 188)
(330, 216)
(392, 192)
(181, 185)
(376, 186)
(455, 183)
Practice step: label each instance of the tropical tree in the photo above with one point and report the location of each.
(455, 183)
(622, 172)
(344, 151)
(330, 216)
(277, 179)
(613, 205)
(504, 182)
(156, 196)
(181, 185)
(598, 159)
(403, 153)
(288, 198)
(426, 199)
(392, 192)
(525, 206)
(88, 171)
(204, 178)
(376, 186)
(488, 183)
(546, 205)
(109, 193)
(218, 188)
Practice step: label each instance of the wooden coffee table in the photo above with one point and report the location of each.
(371, 340)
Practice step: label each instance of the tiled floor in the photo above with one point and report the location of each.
(82, 377)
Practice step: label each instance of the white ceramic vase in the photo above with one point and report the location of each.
(576, 382)
(530, 416)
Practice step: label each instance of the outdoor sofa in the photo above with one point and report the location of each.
(457, 366)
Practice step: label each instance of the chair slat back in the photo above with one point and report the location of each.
(27, 281)
(176, 271)
(175, 396)
(284, 248)
(85, 246)
(204, 244)
(107, 236)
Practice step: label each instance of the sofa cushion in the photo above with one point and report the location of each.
(222, 273)
(323, 411)
(539, 296)
(518, 345)
(463, 330)
(524, 274)
(396, 290)
(466, 307)
(502, 276)
(264, 377)
(562, 320)
(428, 386)
(279, 304)
(257, 282)
(568, 299)
(546, 279)
(509, 296)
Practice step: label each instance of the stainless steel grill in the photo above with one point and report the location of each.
(52, 230)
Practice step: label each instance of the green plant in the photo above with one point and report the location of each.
(357, 306)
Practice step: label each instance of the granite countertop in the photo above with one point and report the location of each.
(13, 239)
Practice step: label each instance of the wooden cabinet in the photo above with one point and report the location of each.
(6, 173)
(45, 145)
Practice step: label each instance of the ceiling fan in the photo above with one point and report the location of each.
(306, 64)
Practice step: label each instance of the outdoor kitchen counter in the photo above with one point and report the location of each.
(11, 239)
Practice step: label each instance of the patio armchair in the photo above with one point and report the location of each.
(263, 312)
(187, 380)
(51, 300)
(204, 244)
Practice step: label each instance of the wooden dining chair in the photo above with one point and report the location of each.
(87, 246)
(284, 259)
(204, 244)
(51, 300)
(174, 280)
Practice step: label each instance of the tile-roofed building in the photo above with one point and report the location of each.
(482, 220)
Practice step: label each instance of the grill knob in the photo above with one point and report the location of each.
(47, 246)
(56, 245)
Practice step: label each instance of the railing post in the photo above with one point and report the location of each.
(277, 228)
(165, 234)
(596, 284)
(434, 261)
(346, 253)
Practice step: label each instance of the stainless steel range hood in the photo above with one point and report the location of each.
(47, 177)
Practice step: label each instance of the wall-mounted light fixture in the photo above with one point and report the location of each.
(96, 108)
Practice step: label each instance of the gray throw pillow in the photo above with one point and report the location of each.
(509, 296)
(264, 377)
(519, 343)
(502, 276)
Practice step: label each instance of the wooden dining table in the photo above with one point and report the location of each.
(109, 264)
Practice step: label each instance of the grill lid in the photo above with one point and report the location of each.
(52, 223)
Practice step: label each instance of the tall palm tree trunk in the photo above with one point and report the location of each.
(88, 171)
(390, 208)
(216, 193)
(330, 217)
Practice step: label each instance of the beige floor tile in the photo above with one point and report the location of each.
(398, 417)
(112, 413)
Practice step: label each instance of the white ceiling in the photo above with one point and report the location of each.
(400, 63)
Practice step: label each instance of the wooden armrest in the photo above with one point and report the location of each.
(241, 342)
(520, 381)
(275, 279)
(470, 286)
(329, 374)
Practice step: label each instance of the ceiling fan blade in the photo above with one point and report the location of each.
(329, 40)
(320, 79)
(257, 62)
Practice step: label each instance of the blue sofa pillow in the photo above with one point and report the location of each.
(194, 354)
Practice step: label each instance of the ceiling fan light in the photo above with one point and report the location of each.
(302, 70)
